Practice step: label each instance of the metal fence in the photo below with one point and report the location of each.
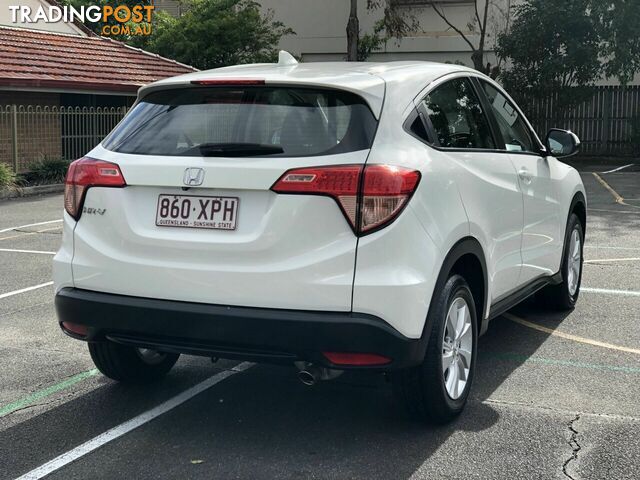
(608, 123)
(29, 133)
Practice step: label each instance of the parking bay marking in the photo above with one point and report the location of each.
(620, 168)
(24, 234)
(608, 260)
(29, 225)
(517, 357)
(45, 392)
(23, 290)
(13, 250)
(606, 291)
(568, 336)
(616, 196)
(126, 427)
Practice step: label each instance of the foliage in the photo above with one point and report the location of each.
(395, 23)
(371, 42)
(618, 22)
(556, 44)
(488, 16)
(215, 33)
(47, 171)
(7, 177)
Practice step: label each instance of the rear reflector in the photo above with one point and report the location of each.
(229, 81)
(84, 174)
(76, 329)
(356, 359)
(370, 197)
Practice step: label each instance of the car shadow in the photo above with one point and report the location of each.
(266, 424)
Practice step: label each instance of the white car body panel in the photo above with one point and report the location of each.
(298, 251)
(280, 255)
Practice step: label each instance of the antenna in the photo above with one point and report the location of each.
(286, 59)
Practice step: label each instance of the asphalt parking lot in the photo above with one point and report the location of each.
(555, 396)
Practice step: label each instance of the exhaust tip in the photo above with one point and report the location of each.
(307, 378)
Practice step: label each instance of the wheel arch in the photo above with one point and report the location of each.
(466, 258)
(579, 207)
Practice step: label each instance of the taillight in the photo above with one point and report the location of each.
(370, 197)
(84, 174)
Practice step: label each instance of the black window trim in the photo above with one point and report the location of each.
(433, 141)
(532, 135)
(414, 114)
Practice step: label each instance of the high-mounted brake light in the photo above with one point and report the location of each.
(229, 81)
(370, 197)
(84, 174)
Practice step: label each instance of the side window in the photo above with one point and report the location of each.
(457, 117)
(418, 130)
(513, 129)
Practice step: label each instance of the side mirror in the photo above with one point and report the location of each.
(562, 143)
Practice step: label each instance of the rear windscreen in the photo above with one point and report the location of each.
(245, 121)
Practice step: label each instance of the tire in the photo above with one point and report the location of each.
(565, 295)
(129, 364)
(424, 389)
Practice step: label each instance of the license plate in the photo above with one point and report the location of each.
(188, 211)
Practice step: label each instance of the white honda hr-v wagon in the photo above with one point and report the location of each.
(335, 216)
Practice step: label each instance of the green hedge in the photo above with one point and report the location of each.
(46, 171)
(7, 177)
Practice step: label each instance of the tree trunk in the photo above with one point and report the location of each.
(477, 57)
(353, 33)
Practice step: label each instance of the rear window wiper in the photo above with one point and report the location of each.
(233, 149)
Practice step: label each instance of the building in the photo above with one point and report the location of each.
(51, 70)
(321, 29)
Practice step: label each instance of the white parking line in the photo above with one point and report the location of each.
(23, 290)
(620, 168)
(128, 426)
(605, 260)
(13, 250)
(29, 225)
(611, 248)
(605, 291)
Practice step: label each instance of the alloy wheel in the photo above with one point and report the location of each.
(457, 348)
(574, 262)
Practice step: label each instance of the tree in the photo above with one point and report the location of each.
(353, 32)
(486, 14)
(215, 33)
(395, 23)
(618, 22)
(555, 44)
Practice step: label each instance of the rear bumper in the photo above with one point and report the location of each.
(255, 334)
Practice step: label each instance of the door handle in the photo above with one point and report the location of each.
(525, 175)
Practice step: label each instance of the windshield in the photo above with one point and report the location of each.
(245, 121)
